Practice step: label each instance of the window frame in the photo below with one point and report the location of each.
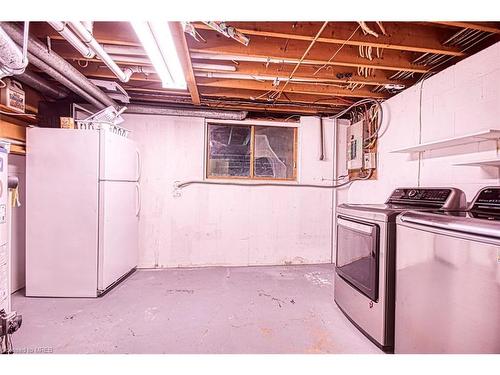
(252, 126)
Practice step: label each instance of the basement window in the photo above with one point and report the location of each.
(251, 152)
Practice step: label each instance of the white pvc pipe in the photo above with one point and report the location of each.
(265, 78)
(217, 56)
(151, 70)
(72, 39)
(225, 68)
(90, 41)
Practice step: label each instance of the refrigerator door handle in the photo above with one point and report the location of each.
(139, 166)
(138, 202)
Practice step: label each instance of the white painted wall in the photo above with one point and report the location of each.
(463, 99)
(227, 225)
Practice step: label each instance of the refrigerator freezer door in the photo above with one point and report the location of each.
(62, 170)
(119, 158)
(118, 231)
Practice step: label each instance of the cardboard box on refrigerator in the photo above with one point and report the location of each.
(67, 122)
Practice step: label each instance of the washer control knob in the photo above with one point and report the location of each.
(412, 193)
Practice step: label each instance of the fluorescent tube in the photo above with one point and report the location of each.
(158, 43)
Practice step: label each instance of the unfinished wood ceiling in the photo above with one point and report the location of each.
(287, 67)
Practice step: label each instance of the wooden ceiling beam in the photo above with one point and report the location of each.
(94, 70)
(185, 59)
(483, 26)
(378, 77)
(245, 94)
(290, 98)
(355, 63)
(326, 90)
(257, 106)
(274, 108)
(290, 52)
(297, 79)
(402, 36)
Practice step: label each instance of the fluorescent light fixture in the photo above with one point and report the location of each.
(157, 40)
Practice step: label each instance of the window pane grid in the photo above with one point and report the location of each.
(251, 152)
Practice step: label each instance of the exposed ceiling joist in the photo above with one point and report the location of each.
(230, 102)
(248, 94)
(256, 73)
(345, 74)
(309, 98)
(272, 108)
(298, 79)
(486, 27)
(326, 90)
(223, 55)
(405, 37)
(185, 58)
(293, 50)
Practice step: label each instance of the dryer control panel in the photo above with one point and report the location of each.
(440, 198)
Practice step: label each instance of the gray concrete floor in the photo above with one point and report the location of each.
(271, 309)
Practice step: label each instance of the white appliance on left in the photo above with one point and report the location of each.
(82, 211)
(4, 234)
(10, 321)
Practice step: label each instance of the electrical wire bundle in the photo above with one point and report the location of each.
(370, 111)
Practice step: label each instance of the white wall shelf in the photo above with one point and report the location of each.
(494, 162)
(484, 135)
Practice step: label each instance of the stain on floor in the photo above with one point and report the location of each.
(269, 309)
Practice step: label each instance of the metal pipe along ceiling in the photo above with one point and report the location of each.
(165, 111)
(72, 39)
(38, 83)
(65, 81)
(92, 43)
(11, 56)
(60, 66)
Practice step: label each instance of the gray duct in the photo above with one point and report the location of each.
(57, 63)
(165, 111)
(41, 85)
(11, 56)
(65, 81)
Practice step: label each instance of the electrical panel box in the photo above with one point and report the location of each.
(355, 146)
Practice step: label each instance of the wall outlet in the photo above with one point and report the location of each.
(370, 160)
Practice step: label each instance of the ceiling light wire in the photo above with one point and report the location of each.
(303, 57)
(336, 52)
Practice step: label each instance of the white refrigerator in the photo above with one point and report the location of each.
(82, 211)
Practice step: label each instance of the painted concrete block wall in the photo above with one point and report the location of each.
(227, 225)
(463, 99)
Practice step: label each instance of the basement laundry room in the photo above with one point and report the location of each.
(182, 185)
